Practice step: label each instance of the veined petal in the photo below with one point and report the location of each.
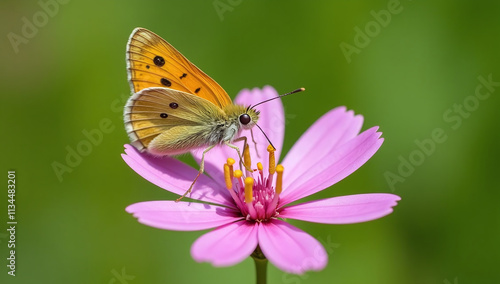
(333, 167)
(226, 245)
(182, 216)
(291, 249)
(175, 176)
(343, 209)
(328, 133)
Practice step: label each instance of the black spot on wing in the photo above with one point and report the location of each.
(165, 82)
(159, 61)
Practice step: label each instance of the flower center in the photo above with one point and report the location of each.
(253, 192)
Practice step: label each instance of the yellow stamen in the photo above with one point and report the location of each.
(230, 162)
(260, 167)
(238, 174)
(272, 160)
(246, 157)
(279, 179)
(248, 190)
(227, 177)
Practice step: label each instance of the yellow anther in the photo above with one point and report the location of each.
(260, 167)
(280, 168)
(279, 179)
(248, 189)
(230, 163)
(246, 158)
(238, 174)
(227, 176)
(272, 160)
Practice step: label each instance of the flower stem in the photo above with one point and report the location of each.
(260, 266)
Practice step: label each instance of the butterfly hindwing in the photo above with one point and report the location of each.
(168, 113)
(153, 62)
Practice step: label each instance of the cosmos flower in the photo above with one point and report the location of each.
(248, 208)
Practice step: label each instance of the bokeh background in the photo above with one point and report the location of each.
(409, 74)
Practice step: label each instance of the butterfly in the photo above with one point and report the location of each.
(175, 107)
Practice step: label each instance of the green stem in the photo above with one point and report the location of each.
(260, 266)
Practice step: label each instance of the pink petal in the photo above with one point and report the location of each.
(182, 216)
(215, 160)
(291, 249)
(343, 209)
(328, 133)
(175, 176)
(332, 168)
(226, 245)
(272, 122)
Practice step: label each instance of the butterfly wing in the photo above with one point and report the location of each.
(153, 62)
(169, 122)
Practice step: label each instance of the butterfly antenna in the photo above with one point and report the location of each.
(292, 92)
(266, 136)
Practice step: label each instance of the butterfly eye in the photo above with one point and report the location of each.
(245, 119)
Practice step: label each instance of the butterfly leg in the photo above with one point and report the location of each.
(244, 139)
(202, 169)
(254, 143)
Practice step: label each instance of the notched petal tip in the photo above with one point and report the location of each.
(347, 209)
(334, 166)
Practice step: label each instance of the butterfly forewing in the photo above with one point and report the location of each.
(152, 62)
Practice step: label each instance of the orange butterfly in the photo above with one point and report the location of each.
(176, 107)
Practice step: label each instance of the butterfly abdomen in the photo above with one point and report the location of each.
(181, 139)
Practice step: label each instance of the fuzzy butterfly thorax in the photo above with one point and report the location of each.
(238, 118)
(229, 127)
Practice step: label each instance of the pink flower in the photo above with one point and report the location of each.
(249, 215)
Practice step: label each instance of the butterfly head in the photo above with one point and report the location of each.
(248, 119)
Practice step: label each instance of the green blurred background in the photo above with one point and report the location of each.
(409, 75)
